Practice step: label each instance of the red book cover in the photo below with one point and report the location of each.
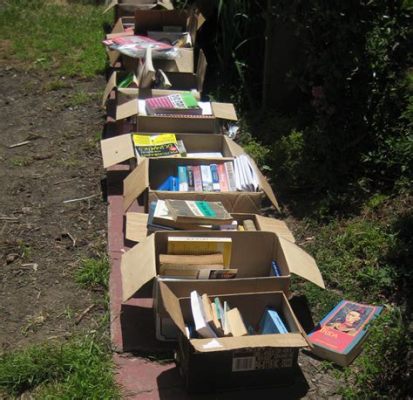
(344, 327)
(196, 170)
(222, 174)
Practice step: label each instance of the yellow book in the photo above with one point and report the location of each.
(201, 245)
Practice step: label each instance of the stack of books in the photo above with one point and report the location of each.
(173, 104)
(215, 318)
(229, 176)
(197, 258)
(193, 215)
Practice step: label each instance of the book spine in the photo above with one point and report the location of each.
(229, 168)
(222, 174)
(174, 184)
(190, 173)
(183, 178)
(206, 178)
(279, 323)
(275, 268)
(215, 178)
(196, 170)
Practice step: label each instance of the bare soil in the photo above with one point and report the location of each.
(43, 239)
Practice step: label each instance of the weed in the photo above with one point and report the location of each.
(21, 161)
(93, 272)
(56, 84)
(78, 369)
(79, 99)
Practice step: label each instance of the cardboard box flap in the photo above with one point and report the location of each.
(118, 27)
(136, 226)
(172, 306)
(146, 71)
(135, 183)
(201, 70)
(185, 61)
(235, 148)
(113, 56)
(277, 226)
(127, 109)
(109, 87)
(265, 186)
(224, 111)
(138, 267)
(301, 263)
(116, 150)
(250, 342)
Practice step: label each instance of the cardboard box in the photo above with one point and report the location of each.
(150, 173)
(237, 362)
(136, 225)
(140, 122)
(121, 148)
(128, 7)
(252, 253)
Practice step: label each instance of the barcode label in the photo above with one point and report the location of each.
(243, 364)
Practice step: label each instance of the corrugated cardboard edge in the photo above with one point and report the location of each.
(265, 186)
(134, 92)
(135, 183)
(116, 150)
(201, 70)
(138, 267)
(172, 306)
(224, 111)
(109, 87)
(127, 109)
(277, 226)
(300, 262)
(136, 226)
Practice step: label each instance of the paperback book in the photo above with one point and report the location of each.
(340, 335)
(178, 103)
(156, 145)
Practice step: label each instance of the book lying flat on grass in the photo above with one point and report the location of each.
(340, 335)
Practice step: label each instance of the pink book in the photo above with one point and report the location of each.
(222, 174)
(196, 170)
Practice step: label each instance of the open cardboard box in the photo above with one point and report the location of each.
(227, 362)
(252, 254)
(150, 173)
(124, 8)
(136, 225)
(121, 148)
(123, 95)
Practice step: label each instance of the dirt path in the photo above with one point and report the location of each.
(41, 238)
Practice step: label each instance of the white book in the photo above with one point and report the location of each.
(205, 155)
(198, 313)
(239, 179)
(206, 178)
(250, 172)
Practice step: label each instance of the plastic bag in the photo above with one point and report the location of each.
(135, 46)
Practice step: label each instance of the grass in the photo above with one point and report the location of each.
(78, 369)
(93, 272)
(62, 39)
(365, 258)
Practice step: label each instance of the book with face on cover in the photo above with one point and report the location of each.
(341, 333)
(201, 212)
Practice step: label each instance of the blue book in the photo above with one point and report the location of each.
(271, 322)
(175, 184)
(215, 178)
(170, 183)
(183, 178)
(275, 268)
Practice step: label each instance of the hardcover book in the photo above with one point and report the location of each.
(340, 335)
(201, 212)
(181, 104)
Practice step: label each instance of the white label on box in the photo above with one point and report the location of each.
(243, 364)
